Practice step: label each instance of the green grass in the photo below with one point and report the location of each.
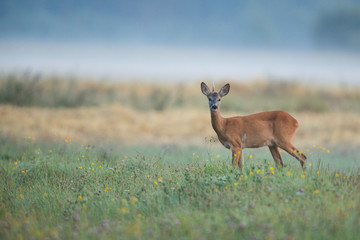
(170, 192)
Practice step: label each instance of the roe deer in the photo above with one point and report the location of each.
(273, 129)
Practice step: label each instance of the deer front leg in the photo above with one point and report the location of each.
(237, 158)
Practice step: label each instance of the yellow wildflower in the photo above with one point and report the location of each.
(124, 210)
(316, 191)
(79, 197)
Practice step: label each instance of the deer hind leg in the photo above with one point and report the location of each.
(293, 151)
(276, 155)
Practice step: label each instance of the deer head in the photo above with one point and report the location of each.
(214, 97)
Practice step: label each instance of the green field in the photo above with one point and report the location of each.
(71, 191)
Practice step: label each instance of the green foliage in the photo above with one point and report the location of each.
(339, 28)
(289, 96)
(32, 90)
(36, 90)
(88, 192)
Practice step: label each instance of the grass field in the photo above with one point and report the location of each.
(72, 191)
(92, 160)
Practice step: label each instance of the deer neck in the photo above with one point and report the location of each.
(217, 121)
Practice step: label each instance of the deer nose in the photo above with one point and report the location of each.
(214, 107)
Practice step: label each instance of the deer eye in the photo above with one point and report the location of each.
(209, 99)
(219, 99)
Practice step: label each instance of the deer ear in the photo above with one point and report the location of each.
(205, 89)
(224, 90)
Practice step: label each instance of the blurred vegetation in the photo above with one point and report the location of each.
(339, 28)
(36, 90)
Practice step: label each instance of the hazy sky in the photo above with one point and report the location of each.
(183, 40)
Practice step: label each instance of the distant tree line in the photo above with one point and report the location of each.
(339, 29)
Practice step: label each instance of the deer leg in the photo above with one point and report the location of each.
(241, 160)
(276, 155)
(236, 157)
(293, 151)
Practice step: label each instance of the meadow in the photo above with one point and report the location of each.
(125, 167)
(71, 191)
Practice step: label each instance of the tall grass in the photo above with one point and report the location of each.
(64, 191)
(36, 90)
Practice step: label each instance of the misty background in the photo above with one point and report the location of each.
(310, 41)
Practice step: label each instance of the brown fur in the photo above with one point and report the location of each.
(273, 129)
